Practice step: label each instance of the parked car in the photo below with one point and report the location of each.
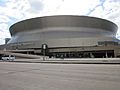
(8, 57)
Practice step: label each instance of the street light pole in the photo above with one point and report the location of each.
(44, 55)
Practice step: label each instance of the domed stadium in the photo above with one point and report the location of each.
(66, 36)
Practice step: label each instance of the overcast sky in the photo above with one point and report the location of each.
(12, 11)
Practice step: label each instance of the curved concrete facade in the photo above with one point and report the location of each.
(63, 31)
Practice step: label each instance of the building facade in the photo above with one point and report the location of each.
(65, 36)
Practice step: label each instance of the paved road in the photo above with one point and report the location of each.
(39, 76)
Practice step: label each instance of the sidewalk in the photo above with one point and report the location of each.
(72, 60)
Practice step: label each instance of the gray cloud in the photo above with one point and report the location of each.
(36, 6)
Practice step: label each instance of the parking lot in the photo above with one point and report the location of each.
(41, 76)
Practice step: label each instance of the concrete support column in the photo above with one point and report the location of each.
(116, 52)
(106, 55)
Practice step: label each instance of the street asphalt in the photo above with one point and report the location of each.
(43, 76)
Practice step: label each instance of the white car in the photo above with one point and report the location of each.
(8, 58)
